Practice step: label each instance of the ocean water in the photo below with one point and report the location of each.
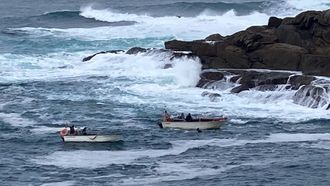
(44, 85)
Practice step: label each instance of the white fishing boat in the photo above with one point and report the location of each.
(196, 124)
(79, 136)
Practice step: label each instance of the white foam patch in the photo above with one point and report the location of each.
(16, 67)
(187, 28)
(273, 138)
(175, 172)
(16, 120)
(238, 121)
(97, 159)
(322, 145)
(62, 183)
(46, 130)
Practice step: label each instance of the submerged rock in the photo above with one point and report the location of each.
(251, 79)
(136, 50)
(296, 81)
(208, 77)
(212, 96)
(103, 52)
(240, 88)
(311, 96)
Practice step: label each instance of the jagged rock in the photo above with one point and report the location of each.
(305, 20)
(214, 62)
(296, 81)
(251, 79)
(288, 34)
(234, 56)
(240, 88)
(212, 96)
(253, 38)
(176, 55)
(214, 37)
(264, 88)
(179, 45)
(274, 22)
(212, 75)
(261, 78)
(278, 56)
(103, 52)
(168, 65)
(208, 77)
(316, 65)
(136, 50)
(311, 96)
(234, 79)
(281, 45)
(324, 18)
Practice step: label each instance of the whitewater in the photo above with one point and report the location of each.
(268, 140)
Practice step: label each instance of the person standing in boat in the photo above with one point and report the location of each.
(167, 117)
(181, 116)
(189, 118)
(84, 131)
(72, 132)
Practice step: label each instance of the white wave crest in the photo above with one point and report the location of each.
(303, 5)
(16, 120)
(187, 28)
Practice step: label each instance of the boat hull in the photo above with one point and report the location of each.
(91, 138)
(192, 125)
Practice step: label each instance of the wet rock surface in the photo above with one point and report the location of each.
(300, 43)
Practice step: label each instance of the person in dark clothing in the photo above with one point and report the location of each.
(189, 118)
(72, 130)
(181, 116)
(84, 132)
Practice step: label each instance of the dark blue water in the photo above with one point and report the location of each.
(44, 86)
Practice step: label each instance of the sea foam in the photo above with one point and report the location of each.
(97, 159)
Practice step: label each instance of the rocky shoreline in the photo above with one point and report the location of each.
(297, 48)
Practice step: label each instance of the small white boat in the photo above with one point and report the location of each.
(91, 138)
(77, 136)
(197, 124)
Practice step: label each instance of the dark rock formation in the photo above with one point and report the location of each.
(301, 43)
(214, 37)
(311, 96)
(264, 88)
(274, 22)
(297, 81)
(278, 56)
(103, 52)
(240, 88)
(212, 96)
(209, 77)
(136, 50)
(316, 65)
(251, 79)
(168, 65)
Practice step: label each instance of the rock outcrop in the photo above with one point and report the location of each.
(300, 43)
(103, 52)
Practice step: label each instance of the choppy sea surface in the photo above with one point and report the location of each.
(44, 85)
